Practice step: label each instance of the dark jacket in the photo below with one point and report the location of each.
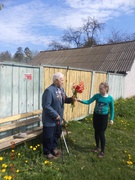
(52, 105)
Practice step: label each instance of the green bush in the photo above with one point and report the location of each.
(125, 107)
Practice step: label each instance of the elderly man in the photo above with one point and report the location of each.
(53, 100)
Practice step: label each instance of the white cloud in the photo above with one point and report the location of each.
(100, 4)
(37, 22)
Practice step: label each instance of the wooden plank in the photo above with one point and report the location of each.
(35, 129)
(27, 132)
(18, 124)
(20, 116)
(6, 139)
(6, 143)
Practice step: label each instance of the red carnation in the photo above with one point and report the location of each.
(77, 88)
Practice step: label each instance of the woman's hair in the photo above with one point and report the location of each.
(105, 84)
(57, 75)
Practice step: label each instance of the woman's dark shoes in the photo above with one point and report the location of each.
(101, 155)
(96, 150)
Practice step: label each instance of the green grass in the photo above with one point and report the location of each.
(82, 163)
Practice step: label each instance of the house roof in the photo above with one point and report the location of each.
(117, 57)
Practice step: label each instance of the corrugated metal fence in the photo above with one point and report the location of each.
(19, 92)
(21, 88)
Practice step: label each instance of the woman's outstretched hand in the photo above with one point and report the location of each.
(111, 122)
(79, 100)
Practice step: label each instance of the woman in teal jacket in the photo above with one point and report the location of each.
(100, 116)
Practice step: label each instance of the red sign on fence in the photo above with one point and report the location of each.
(28, 76)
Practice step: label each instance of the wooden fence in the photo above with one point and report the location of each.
(91, 81)
(22, 86)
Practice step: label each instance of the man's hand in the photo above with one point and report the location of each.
(74, 98)
(58, 118)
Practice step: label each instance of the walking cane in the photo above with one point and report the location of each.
(64, 124)
(65, 143)
(62, 151)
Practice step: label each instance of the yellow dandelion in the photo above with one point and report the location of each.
(17, 170)
(129, 162)
(31, 147)
(13, 150)
(46, 162)
(5, 177)
(3, 170)
(8, 177)
(4, 166)
(26, 161)
(34, 149)
(1, 158)
(38, 145)
(19, 154)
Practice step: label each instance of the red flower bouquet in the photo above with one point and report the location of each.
(76, 88)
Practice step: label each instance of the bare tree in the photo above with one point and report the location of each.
(73, 36)
(34, 53)
(91, 28)
(90, 42)
(117, 36)
(5, 56)
(132, 37)
(84, 36)
(57, 46)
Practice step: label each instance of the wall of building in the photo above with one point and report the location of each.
(129, 89)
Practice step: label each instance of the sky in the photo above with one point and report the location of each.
(36, 23)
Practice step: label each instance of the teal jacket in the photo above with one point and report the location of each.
(103, 103)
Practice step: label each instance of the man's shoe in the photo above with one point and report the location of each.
(55, 153)
(50, 156)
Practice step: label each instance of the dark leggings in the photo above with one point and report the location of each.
(100, 124)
